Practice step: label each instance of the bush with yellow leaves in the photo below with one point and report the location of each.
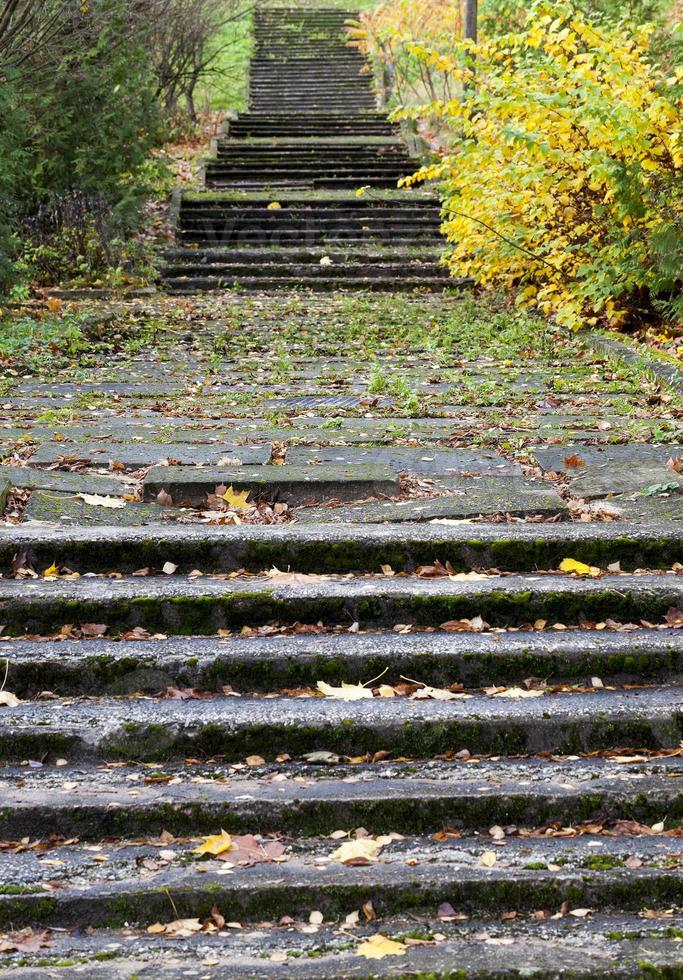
(387, 34)
(564, 176)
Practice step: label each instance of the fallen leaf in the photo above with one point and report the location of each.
(215, 844)
(379, 946)
(347, 692)
(26, 941)
(93, 630)
(180, 929)
(248, 850)
(674, 617)
(574, 462)
(95, 500)
(570, 565)
(356, 853)
(235, 500)
(169, 568)
(488, 859)
(8, 700)
(164, 499)
(274, 206)
(517, 693)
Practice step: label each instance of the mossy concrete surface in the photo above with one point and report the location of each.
(421, 458)
(234, 727)
(203, 606)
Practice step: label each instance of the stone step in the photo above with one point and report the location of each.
(104, 667)
(239, 268)
(187, 285)
(264, 169)
(135, 455)
(232, 151)
(152, 730)
(90, 803)
(336, 210)
(204, 606)
(332, 548)
(374, 254)
(299, 128)
(189, 486)
(624, 946)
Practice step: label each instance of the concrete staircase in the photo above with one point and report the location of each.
(280, 208)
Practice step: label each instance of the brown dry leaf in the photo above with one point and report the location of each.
(474, 625)
(25, 941)
(427, 693)
(248, 850)
(379, 946)
(292, 578)
(255, 760)
(574, 462)
(514, 693)
(93, 630)
(179, 929)
(447, 913)
(164, 499)
(674, 464)
(369, 911)
(674, 617)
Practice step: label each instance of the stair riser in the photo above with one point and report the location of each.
(92, 671)
(241, 899)
(233, 743)
(270, 270)
(405, 814)
(182, 287)
(205, 615)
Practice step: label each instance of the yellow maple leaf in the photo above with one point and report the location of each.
(215, 844)
(274, 206)
(52, 571)
(379, 946)
(235, 499)
(570, 565)
(347, 692)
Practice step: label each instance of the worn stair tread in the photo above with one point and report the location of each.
(122, 890)
(153, 730)
(205, 605)
(620, 946)
(293, 483)
(335, 548)
(267, 663)
(92, 802)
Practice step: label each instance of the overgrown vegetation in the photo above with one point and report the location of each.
(88, 92)
(561, 157)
